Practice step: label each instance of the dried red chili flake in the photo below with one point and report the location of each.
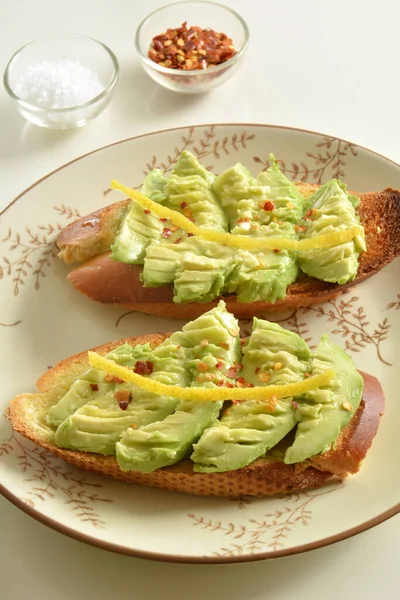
(268, 205)
(149, 366)
(257, 370)
(220, 382)
(191, 49)
(178, 241)
(276, 250)
(300, 228)
(241, 382)
(118, 380)
(190, 234)
(184, 205)
(124, 398)
(94, 387)
(228, 384)
(146, 211)
(295, 405)
(143, 368)
(232, 372)
(166, 232)
(219, 365)
(163, 219)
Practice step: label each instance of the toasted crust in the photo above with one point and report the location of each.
(111, 282)
(265, 476)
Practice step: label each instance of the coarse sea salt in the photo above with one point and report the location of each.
(58, 84)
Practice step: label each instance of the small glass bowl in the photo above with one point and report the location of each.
(202, 14)
(90, 53)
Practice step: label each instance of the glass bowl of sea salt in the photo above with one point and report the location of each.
(62, 81)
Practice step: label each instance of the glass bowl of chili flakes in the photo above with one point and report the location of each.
(192, 47)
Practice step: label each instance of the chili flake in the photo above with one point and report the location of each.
(166, 232)
(124, 398)
(219, 365)
(143, 368)
(268, 205)
(146, 211)
(300, 228)
(276, 250)
(202, 367)
(232, 372)
(190, 49)
(94, 387)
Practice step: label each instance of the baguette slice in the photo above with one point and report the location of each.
(265, 476)
(104, 280)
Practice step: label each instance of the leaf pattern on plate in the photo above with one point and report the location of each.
(328, 161)
(272, 531)
(31, 252)
(46, 477)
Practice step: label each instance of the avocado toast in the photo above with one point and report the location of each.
(133, 257)
(265, 441)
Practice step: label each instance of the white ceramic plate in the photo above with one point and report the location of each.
(42, 320)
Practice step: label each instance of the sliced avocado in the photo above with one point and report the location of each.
(80, 392)
(139, 227)
(331, 209)
(322, 413)
(99, 423)
(249, 429)
(263, 207)
(188, 165)
(168, 441)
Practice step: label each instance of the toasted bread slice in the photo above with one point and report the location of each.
(265, 476)
(111, 282)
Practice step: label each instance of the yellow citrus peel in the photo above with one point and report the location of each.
(239, 241)
(210, 394)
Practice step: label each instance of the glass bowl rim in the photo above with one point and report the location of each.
(43, 110)
(180, 73)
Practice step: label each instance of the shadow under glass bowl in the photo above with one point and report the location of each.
(90, 53)
(202, 14)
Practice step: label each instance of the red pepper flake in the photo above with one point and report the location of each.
(178, 241)
(276, 250)
(257, 370)
(220, 382)
(143, 368)
(146, 211)
(184, 205)
(118, 380)
(190, 234)
(219, 365)
(166, 232)
(191, 48)
(300, 228)
(312, 213)
(163, 219)
(295, 405)
(250, 385)
(94, 387)
(124, 398)
(224, 346)
(228, 384)
(241, 382)
(202, 367)
(268, 205)
(149, 366)
(232, 372)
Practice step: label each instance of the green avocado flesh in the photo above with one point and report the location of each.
(268, 205)
(331, 209)
(147, 431)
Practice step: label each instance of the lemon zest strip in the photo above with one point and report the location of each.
(239, 241)
(210, 394)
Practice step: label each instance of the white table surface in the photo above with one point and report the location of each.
(326, 66)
